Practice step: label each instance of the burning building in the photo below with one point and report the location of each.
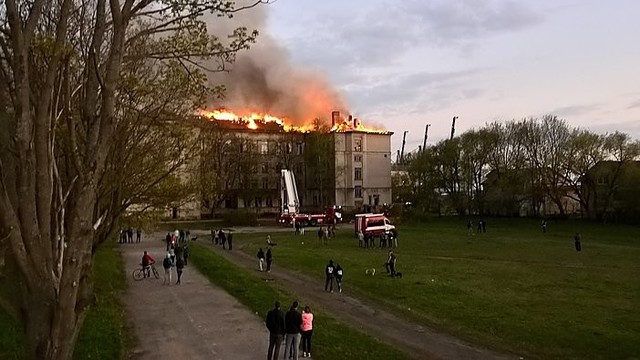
(346, 164)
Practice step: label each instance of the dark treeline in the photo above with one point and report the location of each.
(537, 167)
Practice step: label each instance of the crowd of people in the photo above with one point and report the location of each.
(290, 329)
(220, 238)
(387, 240)
(127, 235)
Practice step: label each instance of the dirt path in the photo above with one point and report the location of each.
(194, 320)
(415, 340)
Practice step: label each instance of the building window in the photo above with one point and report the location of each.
(357, 174)
(243, 146)
(298, 148)
(265, 168)
(357, 192)
(289, 148)
(269, 202)
(258, 202)
(263, 147)
(357, 158)
(278, 148)
(265, 183)
(603, 180)
(357, 145)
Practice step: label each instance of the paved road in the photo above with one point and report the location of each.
(194, 320)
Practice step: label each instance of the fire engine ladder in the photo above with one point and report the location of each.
(289, 192)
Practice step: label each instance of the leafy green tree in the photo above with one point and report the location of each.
(71, 75)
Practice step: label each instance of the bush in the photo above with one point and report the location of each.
(240, 218)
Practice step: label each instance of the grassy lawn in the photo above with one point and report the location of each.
(104, 334)
(511, 288)
(259, 296)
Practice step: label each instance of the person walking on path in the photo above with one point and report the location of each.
(167, 264)
(138, 235)
(269, 260)
(329, 272)
(292, 324)
(307, 331)
(185, 254)
(339, 277)
(230, 240)
(275, 324)
(179, 267)
(223, 239)
(260, 256)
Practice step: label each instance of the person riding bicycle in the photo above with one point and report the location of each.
(147, 261)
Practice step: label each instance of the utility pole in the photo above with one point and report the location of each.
(404, 141)
(426, 133)
(453, 127)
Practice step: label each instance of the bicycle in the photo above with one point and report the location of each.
(138, 274)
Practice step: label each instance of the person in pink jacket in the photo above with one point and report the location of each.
(307, 331)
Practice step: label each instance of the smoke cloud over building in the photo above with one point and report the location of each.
(264, 79)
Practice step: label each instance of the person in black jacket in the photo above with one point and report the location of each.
(293, 329)
(275, 324)
(329, 273)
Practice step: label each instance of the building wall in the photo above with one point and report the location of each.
(362, 161)
(363, 169)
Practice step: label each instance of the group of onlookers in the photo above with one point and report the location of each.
(333, 273)
(126, 236)
(289, 328)
(220, 238)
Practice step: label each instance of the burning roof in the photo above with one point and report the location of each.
(255, 120)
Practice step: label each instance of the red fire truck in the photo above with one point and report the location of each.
(291, 205)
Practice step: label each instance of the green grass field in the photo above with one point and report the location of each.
(253, 292)
(512, 288)
(104, 334)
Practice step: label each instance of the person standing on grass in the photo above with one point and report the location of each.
(470, 227)
(179, 267)
(275, 324)
(307, 331)
(138, 235)
(269, 259)
(339, 272)
(544, 226)
(391, 263)
(167, 264)
(577, 243)
(329, 272)
(230, 240)
(260, 256)
(292, 324)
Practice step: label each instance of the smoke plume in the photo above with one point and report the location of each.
(264, 79)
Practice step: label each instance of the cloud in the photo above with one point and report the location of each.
(432, 90)
(634, 105)
(379, 34)
(574, 110)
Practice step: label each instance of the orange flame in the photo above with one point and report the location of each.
(255, 120)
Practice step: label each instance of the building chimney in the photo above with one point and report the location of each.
(350, 120)
(356, 123)
(335, 118)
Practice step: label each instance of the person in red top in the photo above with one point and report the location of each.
(147, 261)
